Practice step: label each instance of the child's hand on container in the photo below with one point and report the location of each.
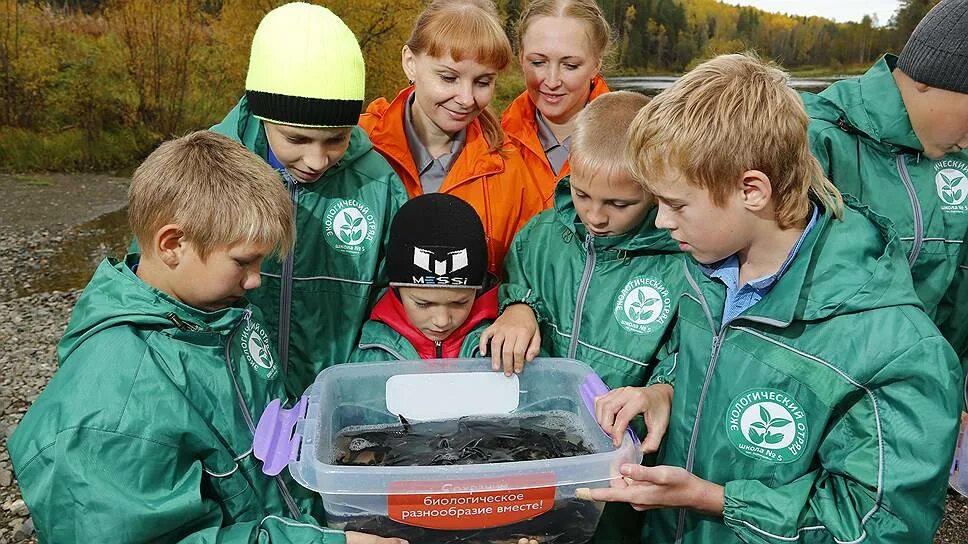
(660, 487)
(512, 339)
(615, 409)
(352, 537)
(527, 541)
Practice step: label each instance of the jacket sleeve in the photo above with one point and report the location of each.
(668, 357)
(517, 288)
(881, 467)
(396, 197)
(953, 314)
(97, 485)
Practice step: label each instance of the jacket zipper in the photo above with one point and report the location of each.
(586, 278)
(283, 490)
(181, 324)
(915, 205)
(439, 349)
(285, 291)
(713, 359)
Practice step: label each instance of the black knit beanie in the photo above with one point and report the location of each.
(437, 240)
(936, 54)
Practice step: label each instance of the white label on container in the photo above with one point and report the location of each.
(422, 397)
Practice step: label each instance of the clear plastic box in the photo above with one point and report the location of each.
(489, 501)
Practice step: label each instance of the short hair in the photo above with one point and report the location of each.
(597, 29)
(732, 114)
(601, 133)
(216, 190)
(466, 29)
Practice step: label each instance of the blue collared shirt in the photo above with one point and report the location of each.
(739, 299)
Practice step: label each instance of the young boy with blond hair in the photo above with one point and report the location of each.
(809, 396)
(144, 434)
(601, 279)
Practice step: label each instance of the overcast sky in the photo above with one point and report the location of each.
(838, 10)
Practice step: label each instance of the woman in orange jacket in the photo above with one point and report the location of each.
(439, 135)
(561, 44)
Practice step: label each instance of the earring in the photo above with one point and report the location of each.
(410, 81)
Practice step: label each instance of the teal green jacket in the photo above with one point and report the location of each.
(141, 435)
(862, 136)
(342, 225)
(607, 301)
(828, 410)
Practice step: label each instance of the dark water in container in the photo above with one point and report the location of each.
(469, 440)
(653, 85)
(464, 441)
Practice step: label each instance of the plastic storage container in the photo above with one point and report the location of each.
(959, 468)
(456, 503)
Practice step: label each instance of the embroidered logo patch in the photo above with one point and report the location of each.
(767, 424)
(950, 180)
(349, 226)
(257, 350)
(643, 305)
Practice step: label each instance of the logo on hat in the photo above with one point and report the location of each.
(349, 226)
(643, 306)
(952, 188)
(767, 424)
(257, 350)
(452, 261)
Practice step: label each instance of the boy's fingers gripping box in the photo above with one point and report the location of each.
(450, 451)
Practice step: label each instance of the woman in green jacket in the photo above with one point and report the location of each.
(303, 123)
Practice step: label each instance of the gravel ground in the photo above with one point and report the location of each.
(43, 214)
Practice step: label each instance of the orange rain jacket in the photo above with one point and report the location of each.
(521, 128)
(497, 185)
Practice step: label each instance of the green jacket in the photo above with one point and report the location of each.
(617, 292)
(828, 410)
(607, 301)
(139, 436)
(862, 136)
(342, 225)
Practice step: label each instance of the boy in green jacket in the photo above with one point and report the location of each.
(144, 434)
(808, 396)
(895, 139)
(601, 279)
(303, 97)
(440, 296)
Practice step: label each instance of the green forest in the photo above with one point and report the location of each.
(96, 84)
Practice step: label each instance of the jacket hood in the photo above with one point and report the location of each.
(116, 296)
(645, 239)
(243, 127)
(868, 105)
(389, 311)
(842, 267)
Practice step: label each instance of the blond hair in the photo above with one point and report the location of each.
(465, 29)
(597, 29)
(601, 133)
(216, 190)
(732, 114)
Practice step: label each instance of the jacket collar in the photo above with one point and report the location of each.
(520, 122)
(388, 135)
(389, 311)
(873, 105)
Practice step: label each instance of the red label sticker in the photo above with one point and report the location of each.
(471, 504)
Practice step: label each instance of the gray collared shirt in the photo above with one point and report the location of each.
(432, 170)
(556, 152)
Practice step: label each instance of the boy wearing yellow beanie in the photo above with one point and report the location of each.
(303, 96)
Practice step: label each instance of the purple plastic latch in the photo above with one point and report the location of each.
(275, 443)
(594, 387)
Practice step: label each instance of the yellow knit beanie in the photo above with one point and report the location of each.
(306, 69)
